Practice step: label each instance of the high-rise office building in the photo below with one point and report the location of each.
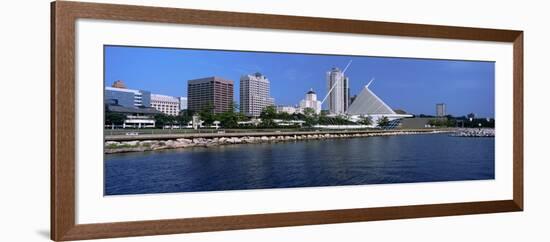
(254, 94)
(311, 101)
(210, 92)
(166, 104)
(338, 99)
(440, 110)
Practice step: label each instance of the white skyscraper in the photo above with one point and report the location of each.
(254, 94)
(338, 99)
(311, 102)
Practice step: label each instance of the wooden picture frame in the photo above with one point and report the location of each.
(63, 18)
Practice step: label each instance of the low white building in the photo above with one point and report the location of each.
(166, 104)
(288, 109)
(311, 101)
(134, 117)
(281, 122)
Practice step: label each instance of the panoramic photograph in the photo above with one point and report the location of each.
(197, 120)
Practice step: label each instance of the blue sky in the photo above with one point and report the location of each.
(414, 85)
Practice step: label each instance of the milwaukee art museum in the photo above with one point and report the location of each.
(368, 104)
(365, 104)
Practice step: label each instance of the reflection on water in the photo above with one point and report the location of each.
(372, 160)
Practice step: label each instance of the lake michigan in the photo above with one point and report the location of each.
(312, 163)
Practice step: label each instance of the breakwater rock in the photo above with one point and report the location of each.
(474, 132)
(151, 145)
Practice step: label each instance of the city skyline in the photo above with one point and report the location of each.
(413, 85)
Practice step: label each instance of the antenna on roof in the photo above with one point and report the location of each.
(345, 69)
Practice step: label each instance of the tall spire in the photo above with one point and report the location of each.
(368, 84)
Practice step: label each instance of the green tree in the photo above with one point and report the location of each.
(284, 116)
(441, 122)
(269, 112)
(267, 115)
(367, 120)
(309, 112)
(432, 122)
(183, 118)
(207, 114)
(339, 120)
(450, 122)
(310, 117)
(323, 119)
(114, 118)
(162, 120)
(383, 122)
(228, 119)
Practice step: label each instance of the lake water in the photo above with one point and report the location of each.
(356, 161)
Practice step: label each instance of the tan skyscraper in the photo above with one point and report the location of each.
(210, 92)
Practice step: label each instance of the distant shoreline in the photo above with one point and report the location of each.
(141, 143)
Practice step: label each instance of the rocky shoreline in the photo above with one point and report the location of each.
(112, 147)
(474, 132)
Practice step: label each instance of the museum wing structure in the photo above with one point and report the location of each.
(368, 104)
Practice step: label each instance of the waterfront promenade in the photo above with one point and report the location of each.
(152, 142)
(129, 135)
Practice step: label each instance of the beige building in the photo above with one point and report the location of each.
(166, 104)
(254, 94)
